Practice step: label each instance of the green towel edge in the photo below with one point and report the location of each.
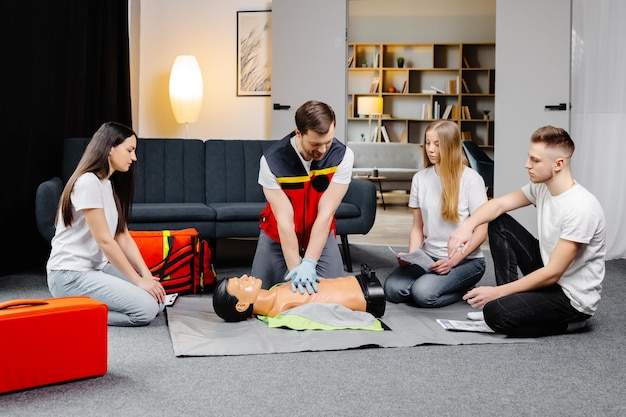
(295, 322)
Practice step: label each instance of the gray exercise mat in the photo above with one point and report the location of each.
(196, 330)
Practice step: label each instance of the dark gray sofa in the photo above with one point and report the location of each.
(208, 185)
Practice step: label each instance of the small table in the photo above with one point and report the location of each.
(376, 180)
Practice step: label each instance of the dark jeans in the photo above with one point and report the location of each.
(410, 284)
(541, 312)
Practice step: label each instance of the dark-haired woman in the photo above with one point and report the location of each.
(93, 253)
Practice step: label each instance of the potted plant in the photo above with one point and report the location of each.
(400, 61)
(364, 63)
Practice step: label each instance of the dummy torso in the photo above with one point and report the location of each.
(344, 290)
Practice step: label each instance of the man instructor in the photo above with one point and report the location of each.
(304, 178)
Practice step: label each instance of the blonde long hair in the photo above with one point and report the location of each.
(451, 165)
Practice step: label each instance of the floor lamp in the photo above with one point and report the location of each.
(372, 106)
(186, 90)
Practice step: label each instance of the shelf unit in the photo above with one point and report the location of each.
(465, 72)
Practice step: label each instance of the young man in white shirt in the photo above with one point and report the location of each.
(562, 270)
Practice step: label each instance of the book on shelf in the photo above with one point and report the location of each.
(465, 87)
(451, 87)
(383, 130)
(466, 135)
(374, 137)
(376, 59)
(436, 110)
(403, 87)
(427, 111)
(465, 113)
(404, 138)
(455, 112)
(447, 112)
(439, 90)
(374, 85)
(466, 62)
(350, 61)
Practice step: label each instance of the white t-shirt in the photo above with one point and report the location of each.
(575, 215)
(74, 248)
(425, 194)
(343, 175)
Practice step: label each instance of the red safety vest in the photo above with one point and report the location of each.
(303, 189)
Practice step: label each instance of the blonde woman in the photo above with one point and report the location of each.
(443, 195)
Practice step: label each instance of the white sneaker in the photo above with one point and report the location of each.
(476, 315)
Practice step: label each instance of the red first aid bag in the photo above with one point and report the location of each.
(180, 259)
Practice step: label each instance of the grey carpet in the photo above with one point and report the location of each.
(579, 374)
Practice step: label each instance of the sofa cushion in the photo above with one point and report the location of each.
(164, 212)
(361, 198)
(169, 171)
(233, 170)
(237, 211)
(347, 210)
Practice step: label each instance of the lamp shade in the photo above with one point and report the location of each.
(370, 105)
(186, 89)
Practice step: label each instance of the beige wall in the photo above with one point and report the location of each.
(207, 29)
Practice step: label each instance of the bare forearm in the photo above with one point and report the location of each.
(325, 213)
(480, 235)
(132, 253)
(540, 278)
(319, 236)
(416, 239)
(289, 244)
(484, 214)
(118, 259)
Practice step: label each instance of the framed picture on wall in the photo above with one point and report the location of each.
(254, 53)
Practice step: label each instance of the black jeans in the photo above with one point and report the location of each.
(541, 312)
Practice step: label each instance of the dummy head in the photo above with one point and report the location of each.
(233, 298)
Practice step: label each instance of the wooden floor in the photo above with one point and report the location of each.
(392, 224)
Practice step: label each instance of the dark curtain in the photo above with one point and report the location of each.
(66, 69)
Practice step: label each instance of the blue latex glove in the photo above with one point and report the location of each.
(304, 275)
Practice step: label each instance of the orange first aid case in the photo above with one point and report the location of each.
(51, 340)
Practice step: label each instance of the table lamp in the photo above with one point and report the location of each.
(370, 106)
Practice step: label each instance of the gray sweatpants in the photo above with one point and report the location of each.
(269, 264)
